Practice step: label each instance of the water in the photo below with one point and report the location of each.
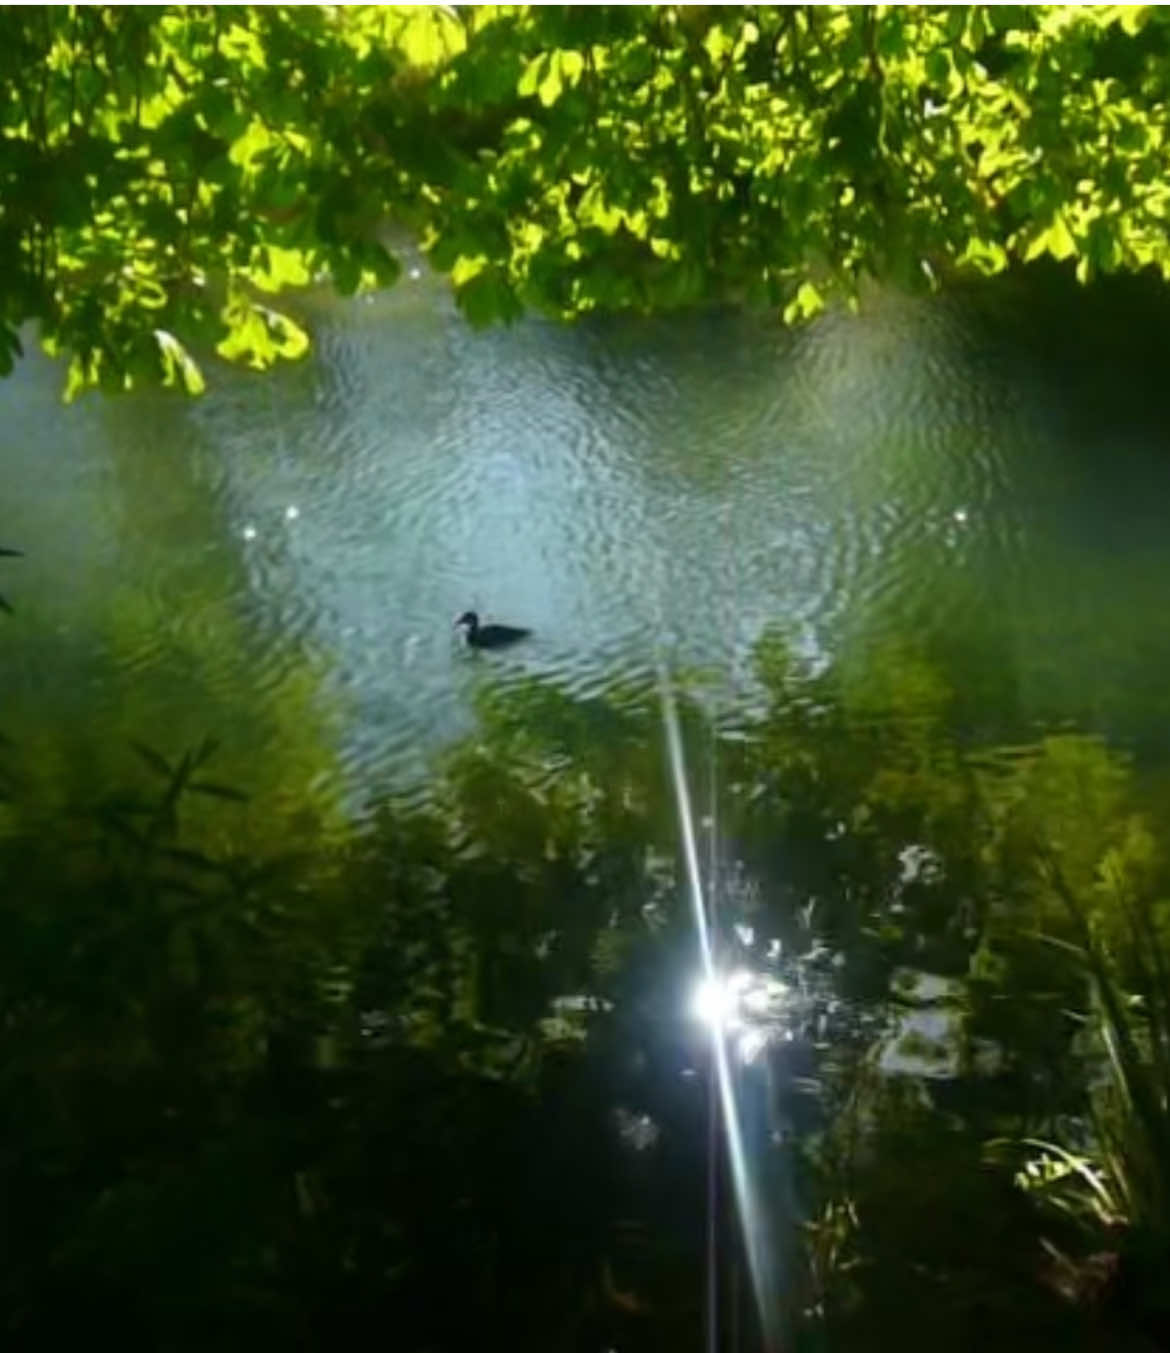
(279, 563)
(979, 481)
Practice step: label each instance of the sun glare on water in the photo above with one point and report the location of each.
(740, 1002)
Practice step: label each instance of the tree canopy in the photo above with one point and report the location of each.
(168, 171)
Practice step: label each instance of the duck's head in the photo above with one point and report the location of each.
(468, 621)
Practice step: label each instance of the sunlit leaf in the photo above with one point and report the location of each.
(1056, 240)
(179, 363)
(582, 160)
(807, 302)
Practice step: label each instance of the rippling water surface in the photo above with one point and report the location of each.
(284, 557)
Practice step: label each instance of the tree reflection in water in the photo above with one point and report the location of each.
(436, 1077)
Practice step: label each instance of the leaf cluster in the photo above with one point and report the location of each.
(168, 172)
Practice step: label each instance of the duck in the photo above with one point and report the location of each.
(488, 636)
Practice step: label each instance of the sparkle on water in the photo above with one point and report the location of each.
(744, 1005)
(713, 1002)
(719, 999)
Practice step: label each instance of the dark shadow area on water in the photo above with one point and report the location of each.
(438, 1079)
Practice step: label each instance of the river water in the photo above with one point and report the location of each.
(280, 561)
(975, 485)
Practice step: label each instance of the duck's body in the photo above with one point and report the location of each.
(488, 636)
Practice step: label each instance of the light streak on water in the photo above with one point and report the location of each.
(751, 1217)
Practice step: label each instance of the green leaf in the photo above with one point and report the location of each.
(290, 340)
(178, 360)
(1132, 18)
(546, 76)
(347, 274)
(572, 66)
(717, 44)
(534, 73)
(986, 256)
(938, 67)
(277, 268)
(259, 335)
(549, 90)
(807, 302)
(467, 268)
(487, 299)
(78, 378)
(430, 35)
(1057, 240)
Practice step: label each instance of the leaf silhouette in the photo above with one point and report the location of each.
(217, 790)
(155, 760)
